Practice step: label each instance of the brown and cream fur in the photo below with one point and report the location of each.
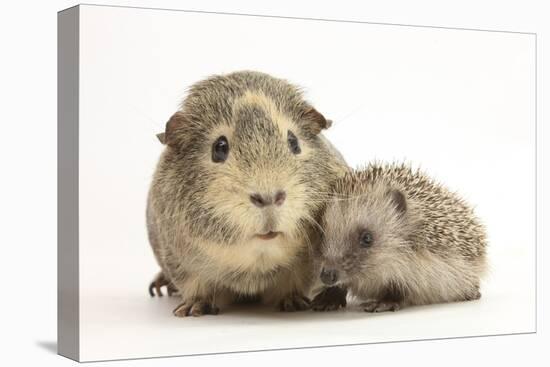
(202, 224)
(427, 244)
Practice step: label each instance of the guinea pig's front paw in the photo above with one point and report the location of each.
(294, 302)
(380, 306)
(330, 299)
(195, 308)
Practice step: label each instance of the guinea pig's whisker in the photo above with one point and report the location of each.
(312, 220)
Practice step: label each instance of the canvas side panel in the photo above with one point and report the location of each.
(67, 183)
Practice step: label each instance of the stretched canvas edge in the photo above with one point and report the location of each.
(67, 183)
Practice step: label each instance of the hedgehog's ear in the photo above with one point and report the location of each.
(175, 123)
(398, 199)
(162, 138)
(316, 121)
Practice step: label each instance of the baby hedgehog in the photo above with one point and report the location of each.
(394, 237)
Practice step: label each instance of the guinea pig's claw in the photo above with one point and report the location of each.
(196, 308)
(159, 282)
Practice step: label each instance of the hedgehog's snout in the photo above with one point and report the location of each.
(329, 276)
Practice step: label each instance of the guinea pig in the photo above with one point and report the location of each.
(394, 237)
(235, 200)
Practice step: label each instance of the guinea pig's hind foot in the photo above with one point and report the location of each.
(294, 302)
(380, 306)
(159, 282)
(195, 308)
(330, 299)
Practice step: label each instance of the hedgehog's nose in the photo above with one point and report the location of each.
(262, 200)
(329, 276)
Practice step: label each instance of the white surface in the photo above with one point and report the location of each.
(29, 185)
(147, 327)
(458, 103)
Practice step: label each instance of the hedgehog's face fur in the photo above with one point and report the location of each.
(248, 160)
(365, 226)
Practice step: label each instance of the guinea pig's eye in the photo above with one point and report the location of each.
(366, 239)
(293, 143)
(220, 149)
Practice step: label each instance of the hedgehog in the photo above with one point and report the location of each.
(394, 237)
(235, 200)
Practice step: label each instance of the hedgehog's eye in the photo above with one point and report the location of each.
(293, 143)
(366, 239)
(220, 149)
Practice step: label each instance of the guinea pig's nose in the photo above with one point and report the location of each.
(260, 200)
(329, 276)
(264, 200)
(280, 197)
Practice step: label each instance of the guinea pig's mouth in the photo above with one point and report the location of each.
(267, 236)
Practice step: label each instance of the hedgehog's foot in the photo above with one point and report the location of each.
(330, 299)
(294, 302)
(473, 296)
(380, 306)
(159, 282)
(196, 308)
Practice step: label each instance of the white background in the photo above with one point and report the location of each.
(35, 234)
(458, 103)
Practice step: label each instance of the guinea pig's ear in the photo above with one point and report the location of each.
(175, 123)
(398, 199)
(316, 121)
